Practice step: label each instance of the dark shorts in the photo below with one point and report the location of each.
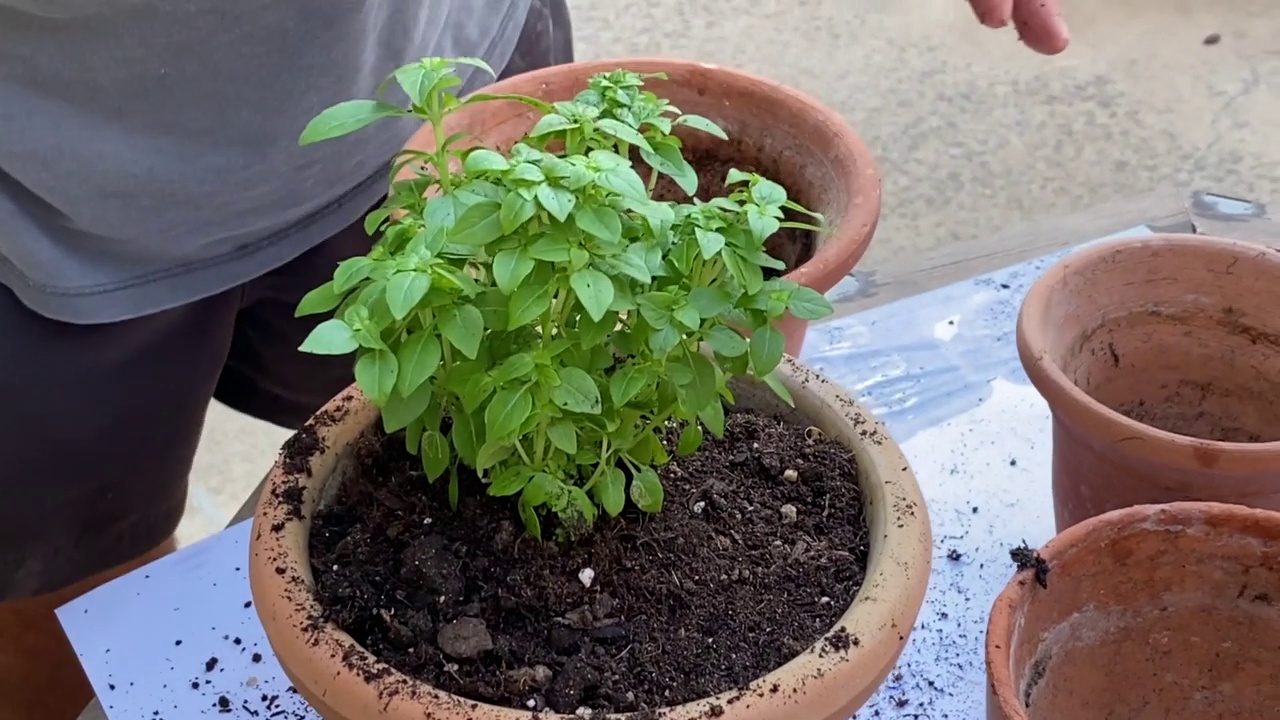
(99, 423)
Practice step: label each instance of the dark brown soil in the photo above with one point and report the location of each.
(1192, 415)
(1026, 558)
(793, 247)
(748, 565)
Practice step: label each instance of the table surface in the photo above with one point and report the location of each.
(1162, 211)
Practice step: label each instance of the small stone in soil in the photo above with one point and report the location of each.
(789, 513)
(1027, 559)
(790, 475)
(465, 639)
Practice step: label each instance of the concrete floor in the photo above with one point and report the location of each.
(973, 132)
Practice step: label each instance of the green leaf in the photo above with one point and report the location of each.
(405, 290)
(401, 410)
(528, 303)
(483, 160)
(419, 357)
(351, 272)
(453, 489)
(551, 123)
(493, 452)
(529, 516)
(550, 248)
(413, 435)
(373, 221)
(331, 337)
(646, 491)
(509, 482)
(744, 271)
(516, 211)
(710, 301)
(664, 340)
(376, 372)
(621, 131)
(625, 181)
(699, 122)
(478, 225)
(611, 490)
(704, 386)
(690, 439)
(577, 392)
(564, 435)
(594, 290)
(768, 193)
(580, 505)
(809, 304)
(465, 436)
(476, 390)
(628, 382)
(601, 222)
(508, 409)
(510, 268)
(514, 367)
(688, 316)
(767, 346)
(632, 265)
(709, 241)
(463, 327)
(712, 417)
(667, 158)
(557, 201)
(474, 62)
(775, 384)
(345, 118)
(436, 456)
(319, 300)
(725, 341)
(541, 488)
(736, 176)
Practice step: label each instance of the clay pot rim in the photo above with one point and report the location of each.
(848, 239)
(879, 617)
(1066, 399)
(1097, 530)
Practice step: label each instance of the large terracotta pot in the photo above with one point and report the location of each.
(807, 147)
(1153, 612)
(1160, 361)
(318, 657)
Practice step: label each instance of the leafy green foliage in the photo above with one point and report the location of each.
(535, 315)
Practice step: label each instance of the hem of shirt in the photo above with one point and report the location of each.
(197, 280)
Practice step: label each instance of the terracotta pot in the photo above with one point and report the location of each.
(1151, 612)
(807, 147)
(1160, 361)
(812, 686)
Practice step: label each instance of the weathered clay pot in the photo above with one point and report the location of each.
(1160, 360)
(1152, 612)
(812, 686)
(807, 147)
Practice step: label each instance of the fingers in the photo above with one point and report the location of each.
(1040, 25)
(993, 13)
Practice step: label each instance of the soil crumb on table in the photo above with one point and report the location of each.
(1027, 559)
(719, 589)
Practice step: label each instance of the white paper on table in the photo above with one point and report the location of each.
(146, 639)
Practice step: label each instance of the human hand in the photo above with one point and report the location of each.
(1039, 22)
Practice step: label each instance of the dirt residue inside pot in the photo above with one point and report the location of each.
(1191, 413)
(761, 547)
(792, 246)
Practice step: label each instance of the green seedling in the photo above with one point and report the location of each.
(534, 315)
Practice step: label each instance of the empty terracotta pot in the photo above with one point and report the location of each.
(342, 681)
(796, 141)
(1152, 612)
(1159, 358)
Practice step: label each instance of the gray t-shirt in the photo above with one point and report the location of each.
(148, 148)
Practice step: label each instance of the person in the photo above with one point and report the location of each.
(158, 224)
(1039, 22)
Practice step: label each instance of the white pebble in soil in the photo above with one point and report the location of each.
(789, 513)
(586, 576)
